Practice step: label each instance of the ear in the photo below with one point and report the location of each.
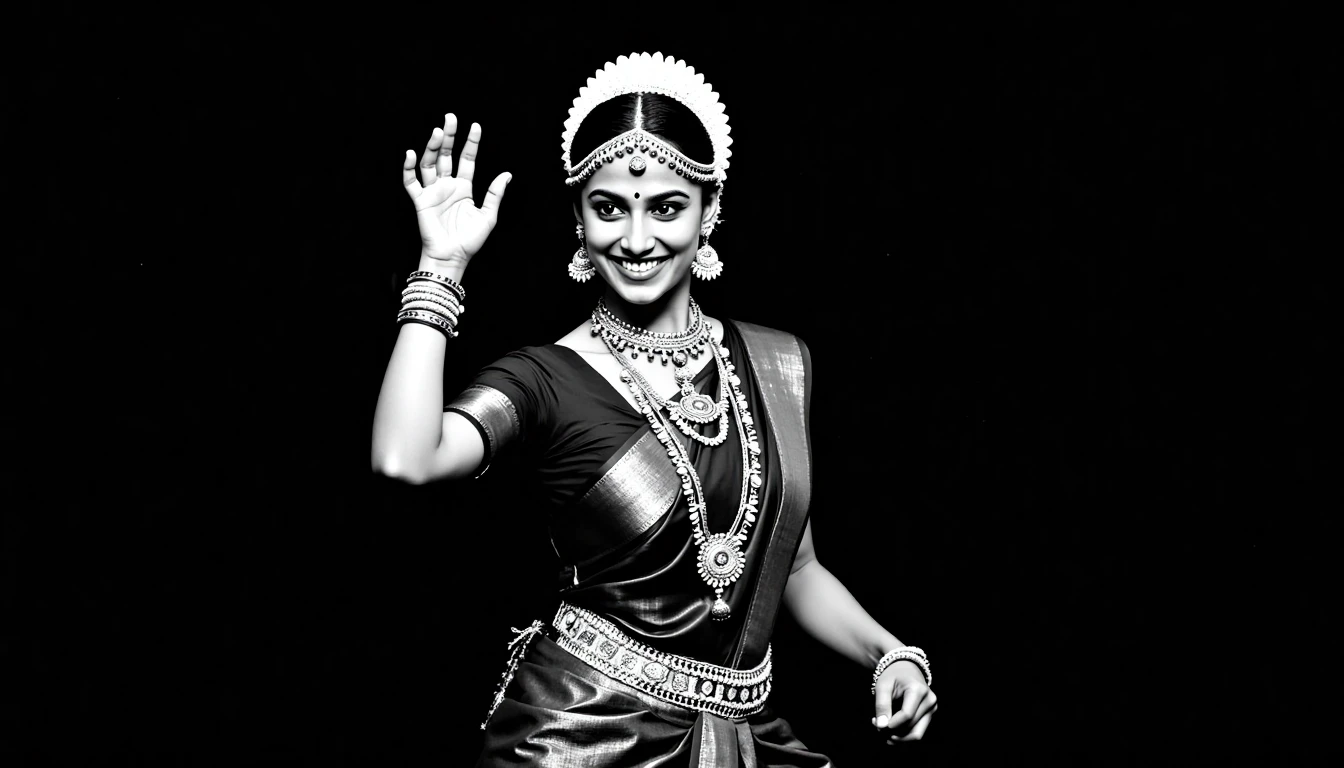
(711, 211)
(578, 217)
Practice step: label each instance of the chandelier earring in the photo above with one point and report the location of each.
(706, 265)
(580, 268)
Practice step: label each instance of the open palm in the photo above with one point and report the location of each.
(452, 228)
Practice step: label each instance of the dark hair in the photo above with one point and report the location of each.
(663, 116)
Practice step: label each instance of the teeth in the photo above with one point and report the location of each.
(639, 267)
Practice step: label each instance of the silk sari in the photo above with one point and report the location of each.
(621, 531)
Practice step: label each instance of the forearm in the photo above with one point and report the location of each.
(408, 420)
(827, 611)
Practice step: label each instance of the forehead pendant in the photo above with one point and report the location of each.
(637, 164)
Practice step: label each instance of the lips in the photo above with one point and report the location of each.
(640, 268)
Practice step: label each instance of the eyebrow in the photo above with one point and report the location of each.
(658, 198)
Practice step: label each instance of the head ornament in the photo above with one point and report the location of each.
(645, 73)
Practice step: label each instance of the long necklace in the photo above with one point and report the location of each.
(721, 560)
(680, 348)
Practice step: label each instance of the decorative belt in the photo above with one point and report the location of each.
(733, 693)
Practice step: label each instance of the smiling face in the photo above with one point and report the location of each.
(642, 231)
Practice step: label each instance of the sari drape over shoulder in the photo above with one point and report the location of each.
(622, 533)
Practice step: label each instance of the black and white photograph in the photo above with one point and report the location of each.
(812, 349)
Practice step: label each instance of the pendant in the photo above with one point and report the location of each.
(720, 611)
(721, 560)
(699, 408)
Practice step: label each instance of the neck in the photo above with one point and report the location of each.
(669, 313)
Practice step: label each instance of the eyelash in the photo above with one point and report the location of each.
(674, 209)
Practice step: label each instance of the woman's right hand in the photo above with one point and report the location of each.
(452, 228)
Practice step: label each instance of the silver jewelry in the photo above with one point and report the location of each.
(645, 73)
(721, 560)
(693, 408)
(434, 300)
(425, 276)
(706, 265)
(580, 268)
(517, 648)
(681, 680)
(908, 653)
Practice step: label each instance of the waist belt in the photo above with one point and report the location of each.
(732, 693)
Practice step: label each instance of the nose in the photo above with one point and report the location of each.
(637, 243)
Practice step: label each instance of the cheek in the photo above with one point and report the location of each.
(682, 234)
(679, 235)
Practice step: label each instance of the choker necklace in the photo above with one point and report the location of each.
(721, 560)
(694, 407)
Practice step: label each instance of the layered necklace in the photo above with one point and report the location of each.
(693, 408)
(720, 559)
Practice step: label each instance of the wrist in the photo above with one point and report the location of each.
(909, 654)
(448, 268)
(880, 646)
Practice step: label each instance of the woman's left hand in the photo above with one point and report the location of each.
(904, 682)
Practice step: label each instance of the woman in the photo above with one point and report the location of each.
(673, 450)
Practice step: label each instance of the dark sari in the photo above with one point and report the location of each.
(622, 531)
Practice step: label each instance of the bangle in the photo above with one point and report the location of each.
(431, 319)
(433, 298)
(908, 653)
(434, 277)
(428, 306)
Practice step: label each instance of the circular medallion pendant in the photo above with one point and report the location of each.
(721, 560)
(699, 408)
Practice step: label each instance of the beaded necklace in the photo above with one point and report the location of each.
(720, 559)
(680, 348)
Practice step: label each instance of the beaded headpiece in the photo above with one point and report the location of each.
(644, 73)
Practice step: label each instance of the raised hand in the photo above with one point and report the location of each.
(452, 228)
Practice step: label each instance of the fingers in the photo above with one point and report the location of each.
(429, 161)
(408, 174)
(466, 166)
(495, 194)
(910, 701)
(917, 732)
(882, 706)
(445, 166)
(926, 705)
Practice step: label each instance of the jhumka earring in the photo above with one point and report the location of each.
(706, 265)
(580, 268)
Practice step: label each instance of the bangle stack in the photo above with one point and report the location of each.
(434, 300)
(908, 653)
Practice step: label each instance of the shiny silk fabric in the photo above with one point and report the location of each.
(559, 712)
(626, 552)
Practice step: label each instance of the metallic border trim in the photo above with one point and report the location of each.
(776, 360)
(629, 498)
(493, 413)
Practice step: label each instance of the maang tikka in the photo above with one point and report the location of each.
(580, 268)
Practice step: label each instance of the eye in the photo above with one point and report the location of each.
(606, 209)
(667, 210)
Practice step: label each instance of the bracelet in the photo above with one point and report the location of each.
(429, 306)
(433, 298)
(908, 653)
(427, 318)
(434, 277)
(426, 286)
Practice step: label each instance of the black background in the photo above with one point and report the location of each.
(1067, 281)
